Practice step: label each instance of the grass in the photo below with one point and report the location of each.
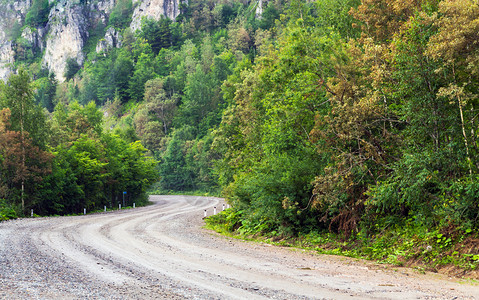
(449, 250)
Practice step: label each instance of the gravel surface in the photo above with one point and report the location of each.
(161, 252)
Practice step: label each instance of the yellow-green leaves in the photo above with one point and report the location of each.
(457, 40)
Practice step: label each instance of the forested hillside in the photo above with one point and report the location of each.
(349, 117)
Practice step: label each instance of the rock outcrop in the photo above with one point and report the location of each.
(67, 35)
(154, 9)
(67, 30)
(12, 14)
(112, 39)
(6, 59)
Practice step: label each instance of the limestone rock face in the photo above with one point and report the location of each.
(112, 39)
(33, 37)
(11, 19)
(99, 11)
(154, 9)
(6, 59)
(68, 29)
(67, 35)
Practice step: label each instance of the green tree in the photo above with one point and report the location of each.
(174, 174)
(269, 15)
(121, 72)
(88, 161)
(45, 92)
(157, 33)
(71, 68)
(158, 103)
(200, 102)
(108, 76)
(23, 164)
(26, 117)
(92, 167)
(144, 71)
(120, 16)
(37, 15)
(59, 191)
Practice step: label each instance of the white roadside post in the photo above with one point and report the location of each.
(214, 211)
(119, 206)
(133, 204)
(32, 213)
(205, 213)
(223, 206)
(104, 208)
(84, 211)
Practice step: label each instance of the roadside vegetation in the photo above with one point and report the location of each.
(346, 125)
(440, 250)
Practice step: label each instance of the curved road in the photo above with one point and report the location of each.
(161, 252)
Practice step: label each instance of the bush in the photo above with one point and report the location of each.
(7, 211)
(71, 68)
(121, 14)
(38, 13)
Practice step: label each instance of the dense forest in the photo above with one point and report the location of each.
(342, 116)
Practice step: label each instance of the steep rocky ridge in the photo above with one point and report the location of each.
(67, 35)
(12, 14)
(67, 30)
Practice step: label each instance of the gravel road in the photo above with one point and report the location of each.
(161, 252)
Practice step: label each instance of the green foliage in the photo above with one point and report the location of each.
(275, 195)
(59, 191)
(199, 102)
(226, 222)
(7, 211)
(46, 90)
(420, 247)
(200, 159)
(174, 173)
(95, 33)
(224, 13)
(356, 118)
(269, 16)
(18, 95)
(270, 158)
(158, 33)
(108, 76)
(22, 143)
(15, 31)
(120, 16)
(37, 15)
(24, 51)
(336, 14)
(144, 71)
(460, 200)
(71, 68)
(92, 168)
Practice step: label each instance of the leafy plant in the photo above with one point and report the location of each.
(7, 211)
(37, 15)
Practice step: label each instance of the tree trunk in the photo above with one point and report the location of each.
(463, 127)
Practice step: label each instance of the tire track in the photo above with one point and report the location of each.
(160, 251)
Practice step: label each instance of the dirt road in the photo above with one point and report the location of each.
(161, 252)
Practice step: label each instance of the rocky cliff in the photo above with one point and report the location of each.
(12, 13)
(66, 29)
(154, 9)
